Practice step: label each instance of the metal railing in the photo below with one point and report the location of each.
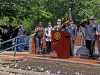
(14, 45)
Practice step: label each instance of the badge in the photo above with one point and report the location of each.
(36, 28)
(72, 27)
(57, 36)
(93, 25)
(66, 27)
(55, 26)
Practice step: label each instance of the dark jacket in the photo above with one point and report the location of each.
(7, 31)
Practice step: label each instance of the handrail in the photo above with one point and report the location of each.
(14, 45)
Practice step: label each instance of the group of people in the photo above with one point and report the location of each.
(92, 33)
(11, 32)
(46, 34)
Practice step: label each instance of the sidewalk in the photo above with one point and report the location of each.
(26, 54)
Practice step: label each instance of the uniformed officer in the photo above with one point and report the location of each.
(15, 30)
(21, 31)
(90, 35)
(7, 31)
(0, 34)
(98, 38)
(40, 32)
(57, 27)
(72, 29)
(48, 33)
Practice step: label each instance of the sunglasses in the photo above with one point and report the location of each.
(58, 21)
(49, 24)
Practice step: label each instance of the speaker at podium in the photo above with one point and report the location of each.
(61, 44)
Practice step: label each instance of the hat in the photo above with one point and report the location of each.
(91, 18)
(70, 20)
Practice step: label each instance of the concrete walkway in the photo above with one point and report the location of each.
(26, 54)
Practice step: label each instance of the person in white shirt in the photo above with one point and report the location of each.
(48, 33)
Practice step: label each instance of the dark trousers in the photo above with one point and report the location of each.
(90, 46)
(98, 44)
(71, 47)
(48, 47)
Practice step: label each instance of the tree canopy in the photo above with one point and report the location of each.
(30, 12)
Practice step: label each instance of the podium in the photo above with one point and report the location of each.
(61, 43)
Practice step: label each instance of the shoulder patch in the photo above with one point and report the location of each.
(36, 28)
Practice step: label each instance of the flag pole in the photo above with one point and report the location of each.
(69, 12)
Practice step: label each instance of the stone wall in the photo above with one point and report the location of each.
(31, 41)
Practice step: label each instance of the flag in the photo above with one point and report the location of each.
(67, 17)
(70, 15)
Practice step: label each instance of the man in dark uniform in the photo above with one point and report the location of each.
(0, 33)
(7, 31)
(40, 33)
(15, 30)
(98, 39)
(57, 27)
(90, 35)
(72, 29)
(1, 40)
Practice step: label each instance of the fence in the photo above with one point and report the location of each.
(14, 45)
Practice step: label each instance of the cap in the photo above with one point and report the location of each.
(91, 18)
(70, 20)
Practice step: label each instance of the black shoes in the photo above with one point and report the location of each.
(40, 53)
(47, 53)
(36, 53)
(90, 58)
(71, 56)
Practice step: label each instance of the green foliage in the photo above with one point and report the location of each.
(3, 21)
(30, 12)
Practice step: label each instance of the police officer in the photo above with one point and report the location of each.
(1, 40)
(57, 27)
(90, 35)
(40, 32)
(0, 34)
(98, 38)
(48, 33)
(21, 31)
(72, 29)
(7, 31)
(15, 30)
